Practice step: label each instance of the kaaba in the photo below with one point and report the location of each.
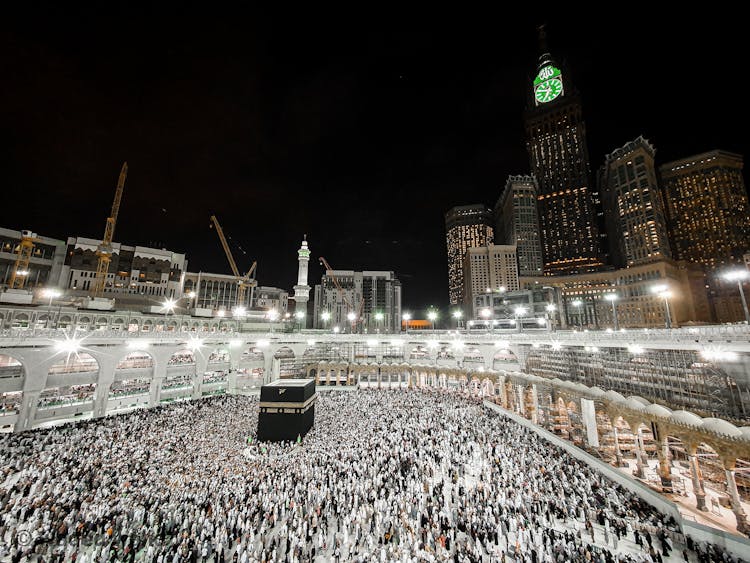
(287, 409)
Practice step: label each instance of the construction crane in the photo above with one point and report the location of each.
(243, 282)
(21, 268)
(349, 304)
(104, 251)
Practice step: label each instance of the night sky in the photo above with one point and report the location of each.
(358, 129)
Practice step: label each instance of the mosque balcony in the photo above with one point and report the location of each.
(64, 380)
(129, 373)
(65, 409)
(125, 402)
(178, 370)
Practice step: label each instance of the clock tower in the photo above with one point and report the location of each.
(568, 205)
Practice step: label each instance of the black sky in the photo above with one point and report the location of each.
(359, 130)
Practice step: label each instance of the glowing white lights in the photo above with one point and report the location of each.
(485, 313)
(272, 315)
(379, 316)
(51, 292)
(168, 305)
(311, 343)
(239, 312)
(432, 316)
(719, 355)
(556, 345)
(69, 345)
(336, 329)
(299, 315)
(541, 322)
(457, 314)
(611, 297)
(194, 344)
(592, 349)
(735, 275)
(635, 349)
(550, 307)
(221, 313)
(432, 344)
(325, 316)
(372, 343)
(519, 311)
(351, 316)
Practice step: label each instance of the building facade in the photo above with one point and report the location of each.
(271, 299)
(707, 207)
(709, 221)
(45, 265)
(217, 292)
(488, 270)
(517, 223)
(373, 296)
(633, 206)
(569, 207)
(466, 226)
(134, 270)
(582, 302)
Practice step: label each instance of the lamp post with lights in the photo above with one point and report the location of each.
(612, 297)
(432, 316)
(739, 276)
(325, 316)
(457, 314)
(352, 318)
(378, 320)
(300, 316)
(550, 308)
(51, 293)
(406, 317)
(519, 313)
(578, 303)
(663, 291)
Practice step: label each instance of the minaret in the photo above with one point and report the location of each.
(302, 290)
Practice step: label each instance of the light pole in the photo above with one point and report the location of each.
(520, 312)
(612, 297)
(663, 291)
(406, 318)
(457, 314)
(486, 313)
(378, 320)
(299, 315)
(739, 276)
(352, 317)
(550, 308)
(325, 316)
(51, 293)
(432, 317)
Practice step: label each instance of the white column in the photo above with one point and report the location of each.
(27, 412)
(160, 373)
(734, 496)
(201, 365)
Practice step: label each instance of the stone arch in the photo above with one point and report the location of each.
(83, 322)
(136, 359)
(252, 354)
(283, 352)
(487, 388)
(21, 320)
(11, 367)
(473, 355)
(101, 323)
(219, 356)
(502, 357)
(118, 323)
(81, 362)
(64, 321)
(419, 352)
(147, 325)
(182, 357)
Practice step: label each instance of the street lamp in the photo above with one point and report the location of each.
(406, 318)
(739, 276)
(168, 306)
(352, 316)
(663, 291)
(612, 297)
(51, 293)
(550, 308)
(325, 316)
(457, 314)
(486, 313)
(519, 312)
(379, 319)
(432, 317)
(299, 315)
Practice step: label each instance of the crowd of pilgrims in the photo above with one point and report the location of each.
(401, 476)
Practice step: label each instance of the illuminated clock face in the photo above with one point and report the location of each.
(548, 90)
(548, 84)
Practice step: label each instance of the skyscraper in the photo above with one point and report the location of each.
(707, 206)
(633, 205)
(517, 223)
(466, 226)
(556, 142)
(489, 271)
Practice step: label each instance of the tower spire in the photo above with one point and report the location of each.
(542, 38)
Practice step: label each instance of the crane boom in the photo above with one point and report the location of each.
(243, 282)
(329, 271)
(104, 252)
(225, 245)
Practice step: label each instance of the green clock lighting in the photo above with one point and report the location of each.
(548, 84)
